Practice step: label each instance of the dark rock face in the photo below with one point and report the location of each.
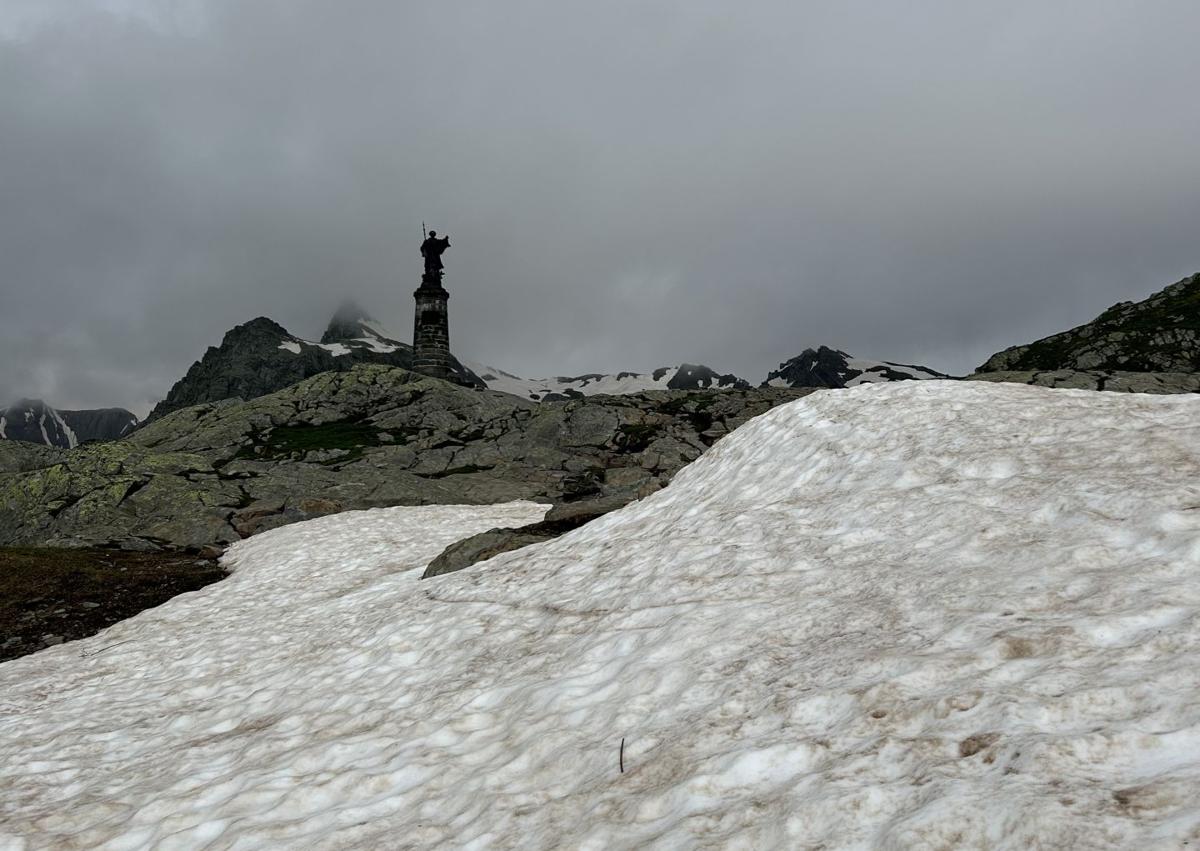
(699, 377)
(826, 367)
(100, 423)
(1157, 335)
(34, 421)
(261, 357)
(370, 436)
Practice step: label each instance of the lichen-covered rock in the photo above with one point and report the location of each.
(17, 456)
(1156, 335)
(1121, 382)
(214, 472)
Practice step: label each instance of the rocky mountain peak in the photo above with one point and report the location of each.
(826, 367)
(261, 356)
(352, 322)
(256, 330)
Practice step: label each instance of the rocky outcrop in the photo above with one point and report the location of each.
(826, 367)
(1121, 382)
(558, 521)
(18, 456)
(33, 421)
(261, 357)
(370, 436)
(1157, 335)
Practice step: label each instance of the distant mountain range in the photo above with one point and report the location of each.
(261, 357)
(1147, 346)
(684, 377)
(34, 421)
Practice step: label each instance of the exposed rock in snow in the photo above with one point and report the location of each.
(916, 615)
(826, 367)
(683, 377)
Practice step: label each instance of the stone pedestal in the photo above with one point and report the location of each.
(431, 331)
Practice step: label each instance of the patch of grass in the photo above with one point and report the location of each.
(295, 441)
(74, 593)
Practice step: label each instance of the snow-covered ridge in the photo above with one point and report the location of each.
(371, 342)
(921, 614)
(682, 377)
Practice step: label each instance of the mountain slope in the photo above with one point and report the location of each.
(261, 356)
(1158, 334)
(34, 421)
(370, 436)
(684, 377)
(826, 367)
(898, 616)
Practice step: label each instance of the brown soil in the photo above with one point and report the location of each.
(48, 596)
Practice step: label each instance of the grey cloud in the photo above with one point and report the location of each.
(626, 184)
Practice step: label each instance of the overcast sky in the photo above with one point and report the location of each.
(626, 184)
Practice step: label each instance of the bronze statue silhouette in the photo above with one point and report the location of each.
(432, 249)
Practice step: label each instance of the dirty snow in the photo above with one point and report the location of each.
(914, 615)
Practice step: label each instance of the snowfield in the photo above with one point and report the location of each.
(912, 615)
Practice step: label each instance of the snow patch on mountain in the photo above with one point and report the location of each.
(683, 377)
(920, 614)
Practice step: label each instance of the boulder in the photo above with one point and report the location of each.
(558, 520)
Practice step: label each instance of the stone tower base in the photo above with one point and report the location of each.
(431, 332)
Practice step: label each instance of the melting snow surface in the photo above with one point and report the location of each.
(292, 346)
(912, 615)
